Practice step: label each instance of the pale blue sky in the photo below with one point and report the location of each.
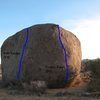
(18, 14)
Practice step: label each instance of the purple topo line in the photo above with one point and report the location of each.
(65, 55)
(23, 49)
(22, 54)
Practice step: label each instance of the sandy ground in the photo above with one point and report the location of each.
(50, 94)
(53, 94)
(74, 93)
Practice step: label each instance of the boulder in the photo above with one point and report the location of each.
(36, 53)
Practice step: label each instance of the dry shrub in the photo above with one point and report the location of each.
(94, 67)
(35, 86)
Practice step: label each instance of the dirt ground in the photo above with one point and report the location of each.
(52, 94)
(74, 93)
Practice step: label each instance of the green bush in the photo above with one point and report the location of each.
(94, 67)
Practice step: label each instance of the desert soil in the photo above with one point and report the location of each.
(74, 93)
(6, 94)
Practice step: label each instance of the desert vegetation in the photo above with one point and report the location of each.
(92, 67)
(37, 90)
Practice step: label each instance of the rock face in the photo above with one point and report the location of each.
(43, 56)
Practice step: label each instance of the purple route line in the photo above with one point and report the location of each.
(65, 55)
(22, 54)
(23, 49)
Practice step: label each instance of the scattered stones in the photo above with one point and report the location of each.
(36, 86)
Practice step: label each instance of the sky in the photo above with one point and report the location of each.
(82, 17)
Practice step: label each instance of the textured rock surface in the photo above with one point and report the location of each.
(43, 57)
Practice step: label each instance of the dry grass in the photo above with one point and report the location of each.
(5, 94)
(75, 93)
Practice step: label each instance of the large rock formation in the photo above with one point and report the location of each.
(43, 56)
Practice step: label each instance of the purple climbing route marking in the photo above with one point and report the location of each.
(23, 49)
(65, 55)
(22, 54)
